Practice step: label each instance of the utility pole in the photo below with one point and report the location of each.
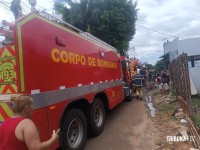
(16, 9)
(32, 3)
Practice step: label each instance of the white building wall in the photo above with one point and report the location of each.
(189, 46)
(171, 46)
(194, 74)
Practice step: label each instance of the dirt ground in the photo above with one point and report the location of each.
(130, 127)
(124, 129)
(165, 123)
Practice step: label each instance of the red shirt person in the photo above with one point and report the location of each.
(19, 132)
(8, 140)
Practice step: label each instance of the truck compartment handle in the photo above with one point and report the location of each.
(60, 42)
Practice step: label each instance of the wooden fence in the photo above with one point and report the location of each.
(179, 74)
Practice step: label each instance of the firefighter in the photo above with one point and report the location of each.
(138, 83)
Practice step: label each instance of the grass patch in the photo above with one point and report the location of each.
(196, 108)
(196, 96)
(173, 91)
(164, 112)
(168, 106)
(165, 107)
(197, 120)
(173, 118)
(195, 102)
(155, 94)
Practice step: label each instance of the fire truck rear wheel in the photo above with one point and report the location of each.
(96, 118)
(74, 130)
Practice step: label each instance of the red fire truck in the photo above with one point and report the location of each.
(73, 77)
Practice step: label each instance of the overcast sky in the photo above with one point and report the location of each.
(173, 18)
(158, 21)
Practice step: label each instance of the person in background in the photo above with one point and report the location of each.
(165, 83)
(138, 83)
(19, 132)
(154, 77)
(150, 76)
(143, 74)
(160, 83)
(168, 77)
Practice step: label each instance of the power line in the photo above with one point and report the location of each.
(155, 31)
(43, 8)
(5, 11)
(25, 5)
(153, 43)
(147, 45)
(147, 35)
(122, 34)
(49, 2)
(150, 34)
(143, 40)
(5, 5)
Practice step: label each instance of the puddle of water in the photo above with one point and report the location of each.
(152, 110)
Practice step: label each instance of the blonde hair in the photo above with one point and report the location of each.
(19, 102)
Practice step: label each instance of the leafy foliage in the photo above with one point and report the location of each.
(112, 21)
(159, 65)
(149, 66)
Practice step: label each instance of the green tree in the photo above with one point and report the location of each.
(112, 21)
(159, 65)
(149, 66)
(79, 14)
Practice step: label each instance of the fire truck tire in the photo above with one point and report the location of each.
(96, 118)
(74, 130)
